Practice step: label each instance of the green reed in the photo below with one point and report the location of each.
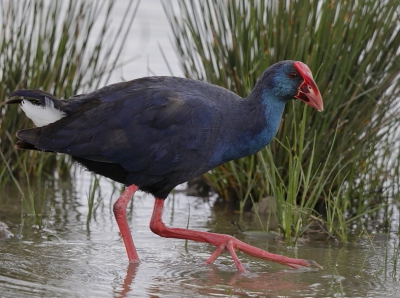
(342, 163)
(63, 47)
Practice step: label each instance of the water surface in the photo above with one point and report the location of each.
(73, 258)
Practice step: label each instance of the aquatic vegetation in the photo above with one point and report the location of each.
(342, 163)
(57, 46)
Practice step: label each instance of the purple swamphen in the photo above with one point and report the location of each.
(154, 133)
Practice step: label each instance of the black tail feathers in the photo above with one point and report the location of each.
(25, 146)
(30, 135)
(36, 96)
(28, 138)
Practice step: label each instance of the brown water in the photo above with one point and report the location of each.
(72, 259)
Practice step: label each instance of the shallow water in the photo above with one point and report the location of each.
(71, 258)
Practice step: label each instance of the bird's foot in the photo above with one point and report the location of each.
(232, 244)
(222, 242)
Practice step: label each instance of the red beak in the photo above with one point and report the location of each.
(308, 91)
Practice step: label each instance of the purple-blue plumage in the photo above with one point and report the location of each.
(158, 132)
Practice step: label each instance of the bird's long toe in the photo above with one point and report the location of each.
(232, 244)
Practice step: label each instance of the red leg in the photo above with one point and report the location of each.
(221, 241)
(120, 215)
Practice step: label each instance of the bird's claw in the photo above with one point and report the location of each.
(314, 264)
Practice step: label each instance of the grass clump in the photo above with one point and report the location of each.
(60, 47)
(63, 47)
(342, 162)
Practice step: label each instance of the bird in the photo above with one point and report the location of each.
(154, 133)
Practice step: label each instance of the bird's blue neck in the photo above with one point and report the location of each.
(262, 123)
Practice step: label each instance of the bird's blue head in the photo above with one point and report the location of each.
(289, 79)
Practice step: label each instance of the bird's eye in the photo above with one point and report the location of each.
(293, 75)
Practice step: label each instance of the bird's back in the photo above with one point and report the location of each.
(153, 132)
